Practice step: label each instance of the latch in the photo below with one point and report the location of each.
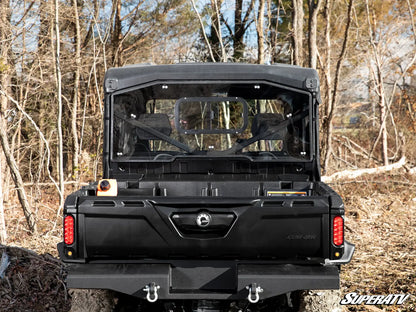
(111, 85)
(254, 291)
(311, 83)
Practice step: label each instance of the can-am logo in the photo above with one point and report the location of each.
(203, 219)
(354, 298)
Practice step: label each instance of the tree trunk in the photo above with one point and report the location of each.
(218, 28)
(88, 36)
(117, 36)
(77, 43)
(240, 27)
(44, 29)
(334, 98)
(17, 178)
(383, 117)
(4, 20)
(207, 41)
(3, 232)
(297, 36)
(314, 7)
(273, 30)
(327, 76)
(215, 32)
(383, 109)
(238, 31)
(59, 102)
(260, 32)
(379, 82)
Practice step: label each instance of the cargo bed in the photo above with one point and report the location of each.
(279, 227)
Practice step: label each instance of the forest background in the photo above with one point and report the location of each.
(54, 54)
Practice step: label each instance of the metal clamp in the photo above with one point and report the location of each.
(254, 291)
(151, 290)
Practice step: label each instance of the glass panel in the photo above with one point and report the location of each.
(211, 115)
(165, 121)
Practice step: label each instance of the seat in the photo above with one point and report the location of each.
(266, 122)
(158, 122)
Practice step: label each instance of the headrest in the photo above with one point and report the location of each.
(266, 122)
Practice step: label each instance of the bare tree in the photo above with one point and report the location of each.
(17, 178)
(74, 130)
(5, 39)
(297, 35)
(4, 21)
(203, 32)
(241, 24)
(379, 80)
(260, 32)
(242, 21)
(386, 90)
(116, 34)
(314, 7)
(326, 73)
(278, 36)
(215, 31)
(3, 232)
(57, 51)
(333, 89)
(217, 28)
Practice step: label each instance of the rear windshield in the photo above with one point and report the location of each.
(162, 122)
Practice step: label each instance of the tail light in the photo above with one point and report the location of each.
(338, 231)
(69, 230)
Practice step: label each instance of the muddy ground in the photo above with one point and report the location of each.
(380, 221)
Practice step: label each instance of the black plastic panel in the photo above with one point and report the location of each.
(164, 227)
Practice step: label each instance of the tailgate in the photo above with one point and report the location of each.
(279, 228)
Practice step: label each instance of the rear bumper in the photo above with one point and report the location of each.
(207, 280)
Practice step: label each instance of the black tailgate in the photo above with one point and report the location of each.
(122, 227)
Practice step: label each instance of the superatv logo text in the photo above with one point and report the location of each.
(354, 298)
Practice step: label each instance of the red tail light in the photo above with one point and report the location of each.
(338, 231)
(69, 230)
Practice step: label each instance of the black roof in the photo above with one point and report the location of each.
(286, 75)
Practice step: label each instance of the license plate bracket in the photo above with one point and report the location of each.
(220, 279)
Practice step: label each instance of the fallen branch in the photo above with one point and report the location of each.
(52, 184)
(352, 174)
(348, 144)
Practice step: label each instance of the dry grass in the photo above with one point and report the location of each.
(381, 222)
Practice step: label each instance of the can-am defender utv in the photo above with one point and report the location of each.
(211, 188)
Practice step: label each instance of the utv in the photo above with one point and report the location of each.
(211, 189)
